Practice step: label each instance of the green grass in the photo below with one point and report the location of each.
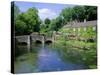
(83, 51)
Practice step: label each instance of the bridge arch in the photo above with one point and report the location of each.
(48, 41)
(38, 41)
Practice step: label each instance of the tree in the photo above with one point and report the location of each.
(32, 20)
(91, 12)
(67, 14)
(45, 25)
(78, 13)
(47, 21)
(56, 24)
(20, 27)
(42, 28)
(28, 22)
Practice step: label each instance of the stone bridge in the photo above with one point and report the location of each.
(23, 39)
(34, 38)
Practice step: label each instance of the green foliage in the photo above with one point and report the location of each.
(64, 30)
(89, 33)
(45, 26)
(28, 22)
(42, 28)
(91, 12)
(79, 13)
(56, 24)
(32, 19)
(52, 25)
(47, 21)
(20, 27)
(78, 51)
(67, 14)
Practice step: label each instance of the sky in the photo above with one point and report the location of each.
(45, 10)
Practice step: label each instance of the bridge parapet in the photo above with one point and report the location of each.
(36, 37)
(33, 38)
(24, 38)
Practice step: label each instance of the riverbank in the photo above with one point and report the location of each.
(87, 51)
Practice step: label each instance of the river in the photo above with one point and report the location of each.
(47, 58)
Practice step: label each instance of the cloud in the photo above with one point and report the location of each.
(47, 13)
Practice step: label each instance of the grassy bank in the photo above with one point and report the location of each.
(79, 51)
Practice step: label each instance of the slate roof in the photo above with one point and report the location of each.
(81, 24)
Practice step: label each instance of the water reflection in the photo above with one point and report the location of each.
(45, 58)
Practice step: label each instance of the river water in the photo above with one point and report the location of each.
(47, 58)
